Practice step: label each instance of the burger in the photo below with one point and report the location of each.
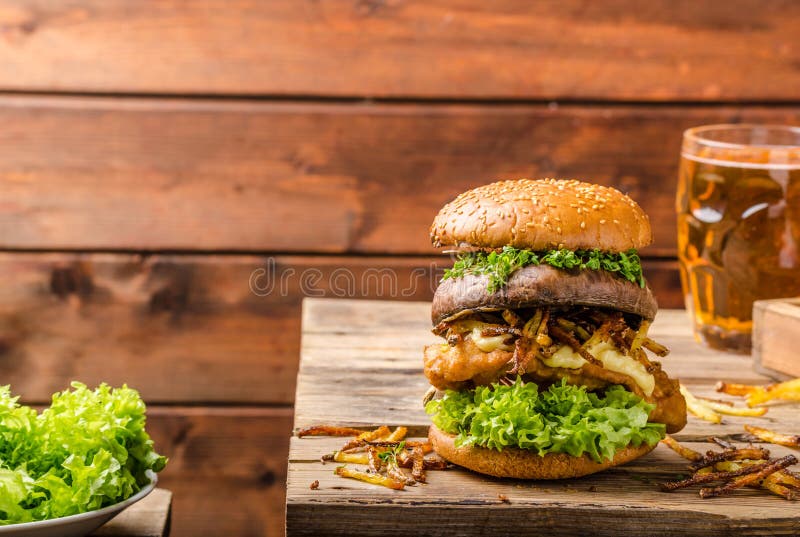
(544, 371)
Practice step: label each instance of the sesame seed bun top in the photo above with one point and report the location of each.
(542, 214)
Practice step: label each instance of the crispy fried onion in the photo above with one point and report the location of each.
(539, 334)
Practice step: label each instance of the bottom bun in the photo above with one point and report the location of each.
(524, 464)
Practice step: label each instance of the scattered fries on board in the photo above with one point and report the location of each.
(758, 395)
(711, 410)
(791, 440)
(385, 453)
(736, 468)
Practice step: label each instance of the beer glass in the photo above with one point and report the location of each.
(738, 205)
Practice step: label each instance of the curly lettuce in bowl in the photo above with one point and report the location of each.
(561, 419)
(88, 450)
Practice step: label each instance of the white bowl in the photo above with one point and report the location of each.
(74, 525)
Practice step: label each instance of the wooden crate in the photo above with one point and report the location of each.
(776, 337)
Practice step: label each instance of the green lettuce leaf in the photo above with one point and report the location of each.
(89, 449)
(562, 419)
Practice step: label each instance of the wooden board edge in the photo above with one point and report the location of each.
(473, 518)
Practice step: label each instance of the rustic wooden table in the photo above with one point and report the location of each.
(361, 365)
(146, 518)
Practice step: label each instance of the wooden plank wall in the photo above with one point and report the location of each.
(162, 163)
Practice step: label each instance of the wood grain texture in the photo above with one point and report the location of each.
(511, 49)
(179, 328)
(189, 328)
(621, 501)
(226, 470)
(385, 384)
(148, 517)
(242, 176)
(776, 337)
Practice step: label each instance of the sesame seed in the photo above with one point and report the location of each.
(583, 225)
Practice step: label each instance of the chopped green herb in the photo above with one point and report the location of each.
(499, 265)
(390, 455)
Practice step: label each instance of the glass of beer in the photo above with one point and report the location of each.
(738, 206)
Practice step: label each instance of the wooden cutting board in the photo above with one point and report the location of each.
(361, 365)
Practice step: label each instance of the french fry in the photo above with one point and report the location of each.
(404, 460)
(743, 467)
(790, 440)
(640, 336)
(384, 451)
(512, 318)
(776, 482)
(374, 460)
(708, 477)
(712, 457)
(574, 328)
(732, 388)
(425, 445)
(418, 466)
(698, 408)
(352, 458)
(780, 483)
(730, 466)
(367, 436)
(542, 338)
(780, 490)
(382, 433)
(683, 451)
(328, 430)
(394, 471)
(398, 434)
(730, 410)
(531, 328)
(785, 477)
(655, 347)
(752, 477)
(375, 479)
(785, 391)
